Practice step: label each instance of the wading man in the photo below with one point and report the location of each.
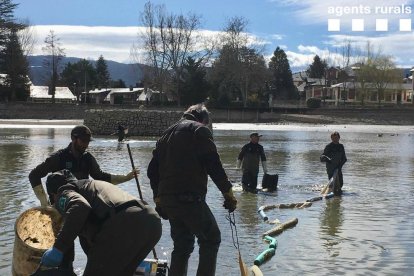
(248, 160)
(335, 157)
(183, 158)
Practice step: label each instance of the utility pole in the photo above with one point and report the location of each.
(76, 93)
(86, 93)
(412, 88)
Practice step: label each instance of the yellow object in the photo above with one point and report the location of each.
(243, 267)
(35, 232)
(41, 195)
(255, 270)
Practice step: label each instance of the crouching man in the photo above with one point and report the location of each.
(116, 230)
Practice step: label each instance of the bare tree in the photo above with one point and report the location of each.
(169, 39)
(342, 61)
(54, 55)
(375, 71)
(239, 71)
(179, 41)
(27, 38)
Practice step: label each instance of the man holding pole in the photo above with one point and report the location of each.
(335, 157)
(77, 160)
(184, 157)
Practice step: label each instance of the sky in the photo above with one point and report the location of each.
(302, 28)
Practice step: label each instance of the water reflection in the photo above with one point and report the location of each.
(368, 231)
(332, 217)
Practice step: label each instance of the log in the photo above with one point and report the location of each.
(286, 206)
(279, 229)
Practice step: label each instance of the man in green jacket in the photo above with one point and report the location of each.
(77, 160)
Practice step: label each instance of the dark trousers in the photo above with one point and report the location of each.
(190, 220)
(337, 185)
(121, 136)
(249, 180)
(123, 242)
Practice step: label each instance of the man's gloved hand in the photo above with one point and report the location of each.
(230, 202)
(159, 209)
(325, 158)
(41, 195)
(52, 257)
(238, 165)
(264, 165)
(118, 179)
(132, 174)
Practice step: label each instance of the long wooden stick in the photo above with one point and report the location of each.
(330, 183)
(135, 175)
(139, 188)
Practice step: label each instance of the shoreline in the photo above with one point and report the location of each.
(282, 119)
(39, 122)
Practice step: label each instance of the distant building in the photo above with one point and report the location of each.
(97, 96)
(41, 94)
(148, 96)
(123, 95)
(342, 86)
(394, 93)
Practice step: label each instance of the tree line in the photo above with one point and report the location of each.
(228, 69)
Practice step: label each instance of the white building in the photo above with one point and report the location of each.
(41, 94)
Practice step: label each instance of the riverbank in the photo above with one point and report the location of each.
(67, 114)
(352, 118)
(39, 122)
(378, 118)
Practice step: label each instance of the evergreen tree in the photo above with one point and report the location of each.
(194, 87)
(16, 68)
(238, 73)
(83, 73)
(7, 22)
(102, 74)
(318, 68)
(282, 86)
(117, 83)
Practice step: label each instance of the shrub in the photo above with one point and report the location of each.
(313, 103)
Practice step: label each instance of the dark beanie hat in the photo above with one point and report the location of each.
(82, 132)
(57, 179)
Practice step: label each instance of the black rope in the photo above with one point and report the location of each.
(230, 217)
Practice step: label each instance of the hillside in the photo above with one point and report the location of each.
(129, 73)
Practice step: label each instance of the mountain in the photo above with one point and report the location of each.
(129, 73)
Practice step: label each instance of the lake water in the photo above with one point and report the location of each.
(367, 231)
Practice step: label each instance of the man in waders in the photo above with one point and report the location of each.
(76, 159)
(335, 157)
(116, 230)
(248, 160)
(183, 158)
(121, 132)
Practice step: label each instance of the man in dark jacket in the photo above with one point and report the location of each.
(183, 158)
(121, 131)
(117, 231)
(249, 157)
(76, 159)
(335, 157)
